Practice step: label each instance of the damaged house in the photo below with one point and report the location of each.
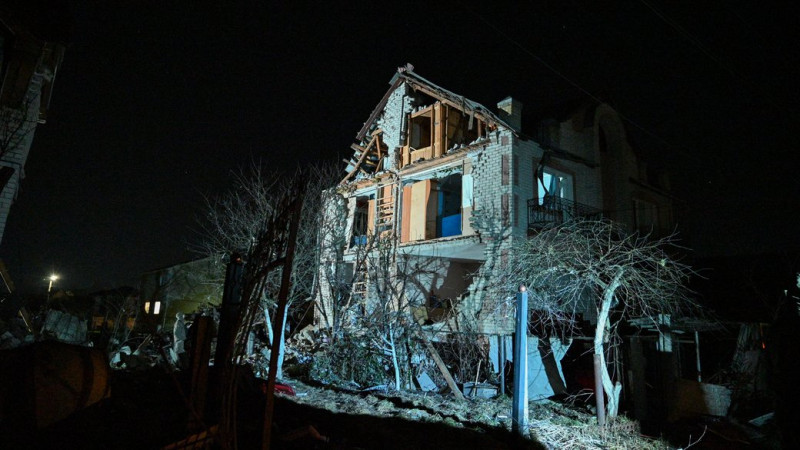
(440, 186)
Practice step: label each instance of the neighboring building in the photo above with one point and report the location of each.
(33, 36)
(444, 186)
(187, 287)
(113, 309)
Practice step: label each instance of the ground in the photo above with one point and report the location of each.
(147, 411)
(440, 421)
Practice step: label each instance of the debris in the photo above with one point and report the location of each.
(480, 390)
(280, 388)
(425, 382)
(760, 421)
(64, 327)
(694, 398)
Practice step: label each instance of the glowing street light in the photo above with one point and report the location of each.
(53, 277)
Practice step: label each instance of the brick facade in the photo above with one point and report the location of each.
(498, 180)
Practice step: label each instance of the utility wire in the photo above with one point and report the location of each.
(727, 67)
(683, 32)
(584, 90)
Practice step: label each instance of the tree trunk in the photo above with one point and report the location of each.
(394, 360)
(268, 324)
(282, 345)
(612, 391)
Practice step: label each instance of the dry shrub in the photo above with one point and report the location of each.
(558, 426)
(349, 360)
(463, 352)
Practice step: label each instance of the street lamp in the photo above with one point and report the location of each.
(52, 278)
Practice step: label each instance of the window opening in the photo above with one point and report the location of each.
(421, 126)
(554, 184)
(448, 218)
(360, 222)
(432, 209)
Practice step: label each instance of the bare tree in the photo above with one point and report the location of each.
(16, 123)
(232, 222)
(595, 267)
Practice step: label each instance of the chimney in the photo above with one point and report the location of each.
(511, 112)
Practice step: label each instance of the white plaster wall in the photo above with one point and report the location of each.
(392, 122)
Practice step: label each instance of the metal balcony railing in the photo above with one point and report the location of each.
(548, 211)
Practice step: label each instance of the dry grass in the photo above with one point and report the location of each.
(554, 425)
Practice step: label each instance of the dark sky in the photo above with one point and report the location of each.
(157, 102)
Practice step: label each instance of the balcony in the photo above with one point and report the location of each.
(550, 211)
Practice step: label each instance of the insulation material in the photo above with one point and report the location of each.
(545, 376)
(495, 352)
(466, 191)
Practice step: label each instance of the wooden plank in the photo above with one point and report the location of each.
(370, 217)
(360, 161)
(418, 208)
(490, 121)
(438, 126)
(431, 209)
(405, 215)
(451, 383)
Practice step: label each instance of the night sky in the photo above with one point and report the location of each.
(157, 102)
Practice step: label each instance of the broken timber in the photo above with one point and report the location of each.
(369, 157)
(451, 383)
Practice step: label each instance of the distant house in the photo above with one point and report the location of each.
(443, 186)
(33, 37)
(113, 308)
(185, 287)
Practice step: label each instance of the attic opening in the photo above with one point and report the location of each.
(420, 129)
(438, 128)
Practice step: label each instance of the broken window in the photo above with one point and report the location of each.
(420, 129)
(553, 184)
(361, 224)
(432, 209)
(555, 201)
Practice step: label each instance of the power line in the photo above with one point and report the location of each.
(582, 89)
(727, 67)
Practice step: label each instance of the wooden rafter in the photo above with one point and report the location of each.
(374, 145)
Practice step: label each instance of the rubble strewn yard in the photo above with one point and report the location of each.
(440, 421)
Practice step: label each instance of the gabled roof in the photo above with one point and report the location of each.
(406, 74)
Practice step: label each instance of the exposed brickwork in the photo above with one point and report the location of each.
(500, 171)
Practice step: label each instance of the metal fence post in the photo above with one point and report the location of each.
(519, 412)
